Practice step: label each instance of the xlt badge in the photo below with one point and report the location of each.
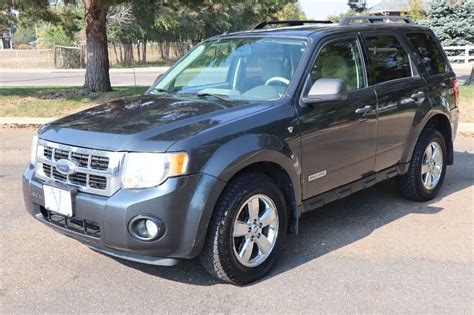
(317, 175)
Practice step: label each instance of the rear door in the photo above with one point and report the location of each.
(435, 69)
(400, 92)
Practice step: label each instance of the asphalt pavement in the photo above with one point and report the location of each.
(42, 77)
(369, 253)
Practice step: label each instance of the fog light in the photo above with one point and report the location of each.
(146, 228)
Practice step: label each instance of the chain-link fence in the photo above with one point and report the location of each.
(26, 59)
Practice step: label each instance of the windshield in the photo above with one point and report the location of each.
(235, 69)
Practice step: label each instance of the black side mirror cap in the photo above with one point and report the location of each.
(326, 90)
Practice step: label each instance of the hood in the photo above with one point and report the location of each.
(143, 123)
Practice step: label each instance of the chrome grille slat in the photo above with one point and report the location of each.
(96, 171)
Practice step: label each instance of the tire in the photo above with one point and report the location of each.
(220, 255)
(414, 185)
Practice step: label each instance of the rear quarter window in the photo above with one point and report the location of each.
(430, 53)
(388, 59)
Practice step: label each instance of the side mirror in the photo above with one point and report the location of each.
(326, 90)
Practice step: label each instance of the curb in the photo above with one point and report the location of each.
(21, 122)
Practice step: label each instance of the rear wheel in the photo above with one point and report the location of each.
(427, 169)
(246, 230)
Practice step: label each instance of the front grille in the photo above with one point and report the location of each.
(95, 171)
(78, 225)
(99, 163)
(98, 182)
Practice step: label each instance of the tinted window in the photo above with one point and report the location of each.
(432, 57)
(340, 60)
(387, 57)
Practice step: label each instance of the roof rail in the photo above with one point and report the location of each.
(348, 20)
(290, 23)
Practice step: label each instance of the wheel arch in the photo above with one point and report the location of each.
(437, 120)
(267, 154)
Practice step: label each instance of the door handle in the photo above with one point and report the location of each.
(363, 110)
(418, 95)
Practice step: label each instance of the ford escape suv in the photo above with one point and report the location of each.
(248, 131)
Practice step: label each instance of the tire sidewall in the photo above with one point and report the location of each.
(266, 187)
(435, 136)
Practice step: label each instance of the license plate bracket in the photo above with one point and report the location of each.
(58, 200)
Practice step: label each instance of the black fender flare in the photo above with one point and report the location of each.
(416, 132)
(239, 153)
(235, 155)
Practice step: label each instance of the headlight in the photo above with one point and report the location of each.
(144, 170)
(34, 147)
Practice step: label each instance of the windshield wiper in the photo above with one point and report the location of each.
(204, 94)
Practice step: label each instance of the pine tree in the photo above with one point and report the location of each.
(453, 22)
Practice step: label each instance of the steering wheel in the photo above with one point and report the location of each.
(277, 79)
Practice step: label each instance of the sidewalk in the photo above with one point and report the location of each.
(75, 77)
(111, 70)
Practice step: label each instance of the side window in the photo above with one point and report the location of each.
(340, 60)
(430, 53)
(387, 57)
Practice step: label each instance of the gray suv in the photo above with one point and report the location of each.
(248, 131)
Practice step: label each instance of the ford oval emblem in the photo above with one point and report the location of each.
(65, 167)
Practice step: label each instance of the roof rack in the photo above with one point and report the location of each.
(290, 23)
(348, 20)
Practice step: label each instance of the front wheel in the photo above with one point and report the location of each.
(427, 169)
(246, 230)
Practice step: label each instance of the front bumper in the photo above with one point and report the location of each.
(184, 204)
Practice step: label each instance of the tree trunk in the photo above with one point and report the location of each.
(121, 54)
(127, 53)
(97, 69)
(471, 78)
(138, 52)
(144, 51)
(115, 52)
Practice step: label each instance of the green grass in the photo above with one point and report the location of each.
(466, 96)
(54, 101)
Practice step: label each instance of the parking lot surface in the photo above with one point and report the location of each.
(370, 252)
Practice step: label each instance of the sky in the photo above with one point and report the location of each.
(320, 9)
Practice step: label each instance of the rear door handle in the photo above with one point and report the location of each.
(363, 110)
(418, 95)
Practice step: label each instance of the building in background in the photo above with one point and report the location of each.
(391, 7)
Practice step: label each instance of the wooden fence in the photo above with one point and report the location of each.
(464, 56)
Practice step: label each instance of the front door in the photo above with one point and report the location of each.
(338, 138)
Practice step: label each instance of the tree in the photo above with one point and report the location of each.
(179, 21)
(357, 6)
(95, 11)
(452, 22)
(291, 11)
(24, 35)
(417, 10)
(97, 77)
